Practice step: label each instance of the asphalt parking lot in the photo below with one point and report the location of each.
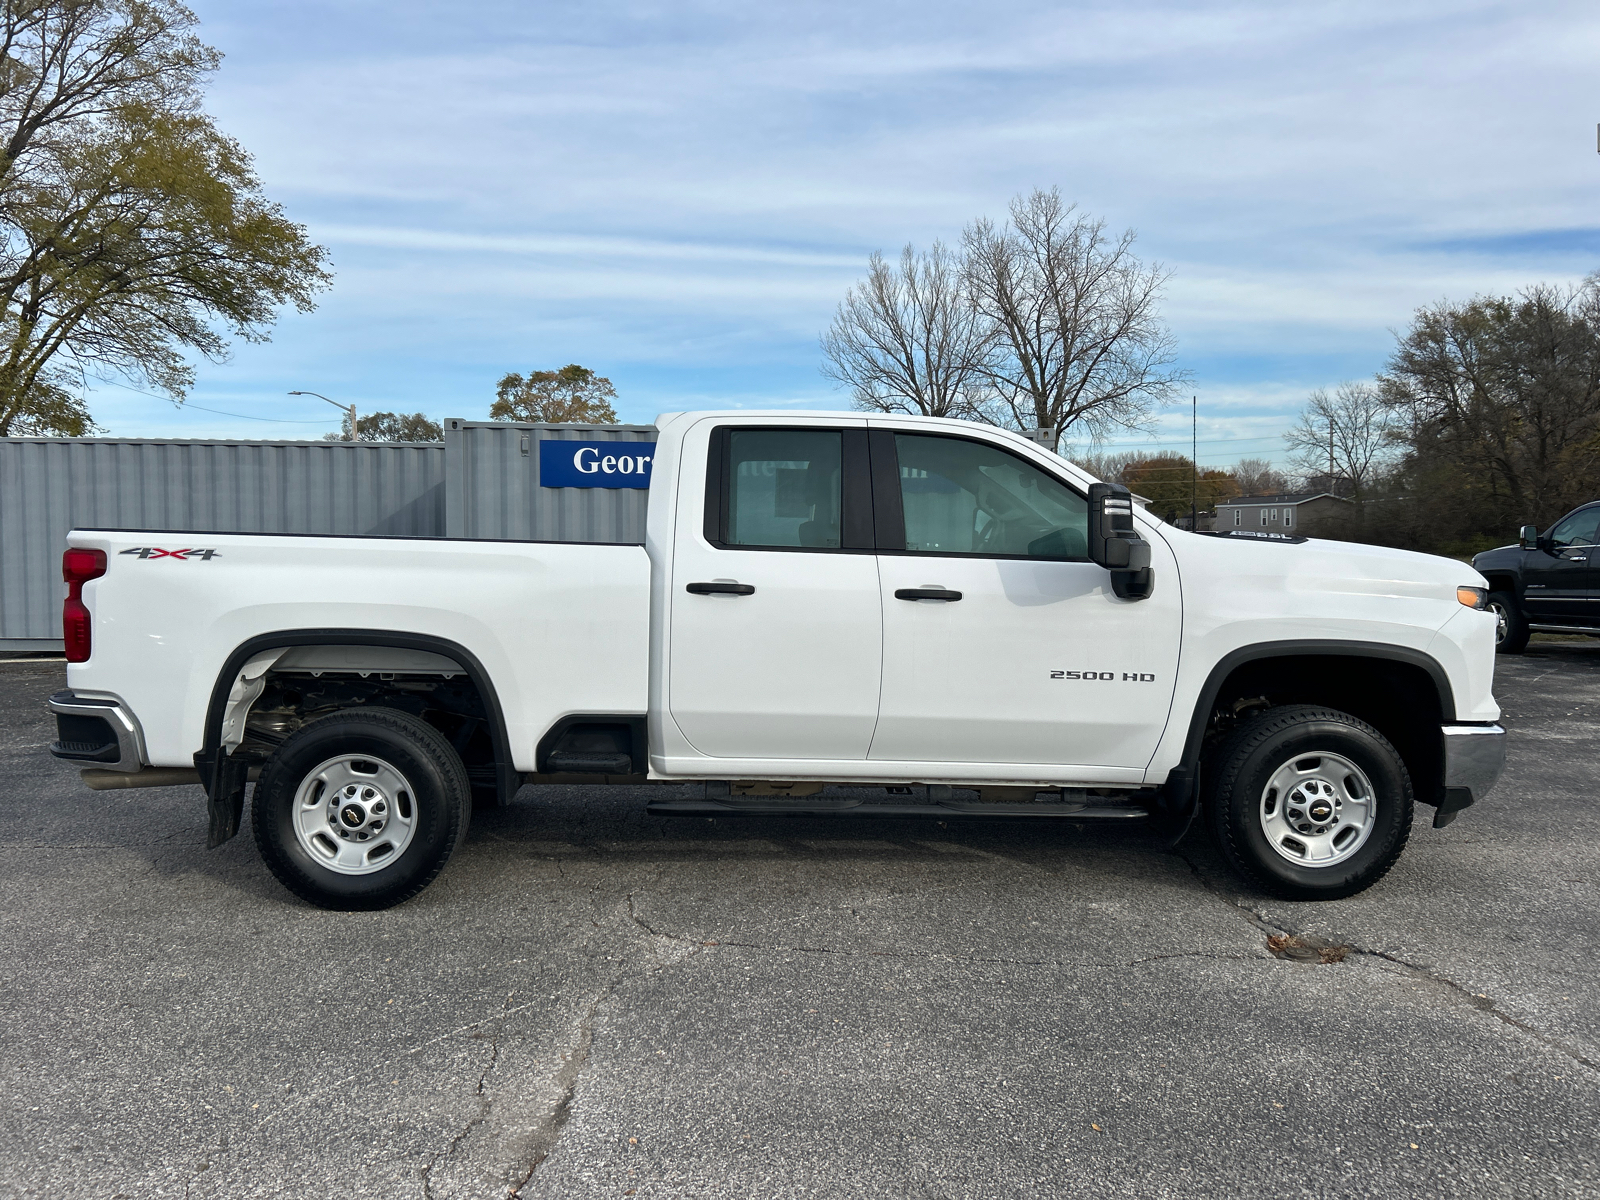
(592, 1002)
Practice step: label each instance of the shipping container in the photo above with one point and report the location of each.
(484, 481)
(494, 486)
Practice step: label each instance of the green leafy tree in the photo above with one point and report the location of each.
(132, 231)
(390, 427)
(573, 395)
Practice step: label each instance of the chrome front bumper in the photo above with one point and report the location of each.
(1474, 757)
(97, 731)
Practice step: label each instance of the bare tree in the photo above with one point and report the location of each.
(1075, 315)
(907, 340)
(1350, 433)
(1258, 477)
(1106, 465)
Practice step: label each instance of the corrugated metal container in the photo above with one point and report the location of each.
(492, 486)
(51, 485)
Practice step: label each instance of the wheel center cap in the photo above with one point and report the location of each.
(1320, 811)
(353, 815)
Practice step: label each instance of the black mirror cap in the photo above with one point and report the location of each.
(1528, 537)
(1111, 529)
(1115, 544)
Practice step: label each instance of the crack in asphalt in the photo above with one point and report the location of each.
(548, 1133)
(484, 1105)
(1476, 1001)
(634, 916)
(915, 956)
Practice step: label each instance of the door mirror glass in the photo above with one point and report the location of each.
(1530, 537)
(784, 487)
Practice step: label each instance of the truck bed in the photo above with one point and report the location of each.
(561, 627)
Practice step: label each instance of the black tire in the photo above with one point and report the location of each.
(1237, 780)
(1511, 635)
(435, 804)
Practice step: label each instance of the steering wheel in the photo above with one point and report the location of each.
(987, 536)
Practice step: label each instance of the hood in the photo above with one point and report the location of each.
(1321, 565)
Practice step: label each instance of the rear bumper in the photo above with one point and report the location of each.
(97, 731)
(1474, 757)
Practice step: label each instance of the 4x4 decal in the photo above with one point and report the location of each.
(180, 555)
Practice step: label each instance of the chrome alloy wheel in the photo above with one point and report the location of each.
(1318, 809)
(1502, 624)
(354, 814)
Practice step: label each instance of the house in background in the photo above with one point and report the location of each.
(1281, 514)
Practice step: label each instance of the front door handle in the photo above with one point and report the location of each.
(721, 588)
(926, 593)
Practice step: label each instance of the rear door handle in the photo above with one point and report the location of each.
(926, 593)
(719, 588)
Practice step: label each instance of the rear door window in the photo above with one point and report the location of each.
(785, 488)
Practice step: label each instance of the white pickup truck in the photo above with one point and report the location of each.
(824, 603)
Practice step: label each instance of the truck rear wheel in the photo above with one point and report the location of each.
(1309, 803)
(361, 809)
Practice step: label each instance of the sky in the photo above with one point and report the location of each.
(678, 195)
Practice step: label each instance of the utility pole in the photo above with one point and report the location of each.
(1194, 464)
(349, 408)
(1332, 489)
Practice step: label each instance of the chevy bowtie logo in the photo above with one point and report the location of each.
(181, 555)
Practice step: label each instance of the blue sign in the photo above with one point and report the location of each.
(595, 464)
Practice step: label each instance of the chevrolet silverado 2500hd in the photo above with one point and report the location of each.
(942, 610)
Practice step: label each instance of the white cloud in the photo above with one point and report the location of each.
(680, 194)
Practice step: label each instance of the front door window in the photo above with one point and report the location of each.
(964, 497)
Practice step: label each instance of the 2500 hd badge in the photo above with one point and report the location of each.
(1127, 676)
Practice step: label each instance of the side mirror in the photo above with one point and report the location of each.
(1529, 537)
(1115, 544)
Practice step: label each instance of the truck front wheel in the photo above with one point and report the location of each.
(361, 809)
(1309, 803)
(1511, 628)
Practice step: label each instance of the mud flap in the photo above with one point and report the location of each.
(1453, 800)
(224, 778)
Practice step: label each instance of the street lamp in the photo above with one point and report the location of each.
(349, 408)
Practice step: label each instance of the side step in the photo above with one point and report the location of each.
(940, 809)
(577, 762)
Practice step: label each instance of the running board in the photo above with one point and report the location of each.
(942, 810)
(1591, 630)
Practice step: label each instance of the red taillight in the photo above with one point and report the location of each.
(77, 568)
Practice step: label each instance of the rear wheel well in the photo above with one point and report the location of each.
(440, 681)
(449, 702)
(1399, 699)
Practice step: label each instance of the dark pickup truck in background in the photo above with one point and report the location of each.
(1548, 583)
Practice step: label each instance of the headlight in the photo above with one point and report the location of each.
(1473, 597)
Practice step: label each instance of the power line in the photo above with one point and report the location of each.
(1178, 441)
(183, 404)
